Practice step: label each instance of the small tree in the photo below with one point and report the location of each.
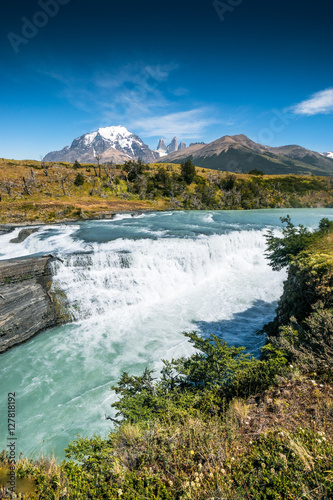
(294, 240)
(133, 169)
(187, 171)
(79, 179)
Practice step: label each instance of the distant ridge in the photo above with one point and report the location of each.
(238, 153)
(233, 153)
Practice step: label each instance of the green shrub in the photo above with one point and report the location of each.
(79, 179)
(310, 344)
(202, 383)
(294, 240)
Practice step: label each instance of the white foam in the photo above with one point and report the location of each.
(60, 241)
(210, 277)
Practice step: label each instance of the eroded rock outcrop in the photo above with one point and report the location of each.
(26, 304)
(23, 234)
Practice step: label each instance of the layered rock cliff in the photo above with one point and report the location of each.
(26, 304)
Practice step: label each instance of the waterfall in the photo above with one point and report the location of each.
(223, 274)
(132, 286)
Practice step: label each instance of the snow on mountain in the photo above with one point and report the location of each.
(163, 150)
(114, 143)
(161, 145)
(328, 155)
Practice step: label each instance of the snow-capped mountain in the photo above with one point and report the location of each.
(328, 155)
(115, 144)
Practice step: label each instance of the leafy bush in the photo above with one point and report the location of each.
(310, 273)
(294, 240)
(310, 345)
(202, 383)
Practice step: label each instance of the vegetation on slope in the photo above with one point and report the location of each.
(304, 322)
(33, 191)
(240, 158)
(221, 424)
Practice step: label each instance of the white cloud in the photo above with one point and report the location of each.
(186, 124)
(117, 95)
(319, 103)
(136, 96)
(160, 72)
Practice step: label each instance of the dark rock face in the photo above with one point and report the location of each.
(26, 304)
(5, 228)
(161, 146)
(173, 146)
(23, 234)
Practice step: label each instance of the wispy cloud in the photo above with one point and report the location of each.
(186, 124)
(139, 97)
(319, 103)
(111, 95)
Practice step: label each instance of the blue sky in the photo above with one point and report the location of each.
(195, 69)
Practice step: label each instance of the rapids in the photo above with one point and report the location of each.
(133, 285)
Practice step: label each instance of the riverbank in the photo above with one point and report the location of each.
(22, 214)
(34, 192)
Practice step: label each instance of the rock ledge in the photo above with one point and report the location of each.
(26, 304)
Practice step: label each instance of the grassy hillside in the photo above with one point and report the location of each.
(32, 191)
(221, 424)
(38, 191)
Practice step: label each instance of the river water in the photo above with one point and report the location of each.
(133, 285)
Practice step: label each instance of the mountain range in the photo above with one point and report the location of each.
(235, 153)
(114, 144)
(239, 154)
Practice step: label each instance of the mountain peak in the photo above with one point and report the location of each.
(114, 143)
(240, 137)
(161, 145)
(238, 153)
(163, 150)
(112, 131)
(173, 146)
